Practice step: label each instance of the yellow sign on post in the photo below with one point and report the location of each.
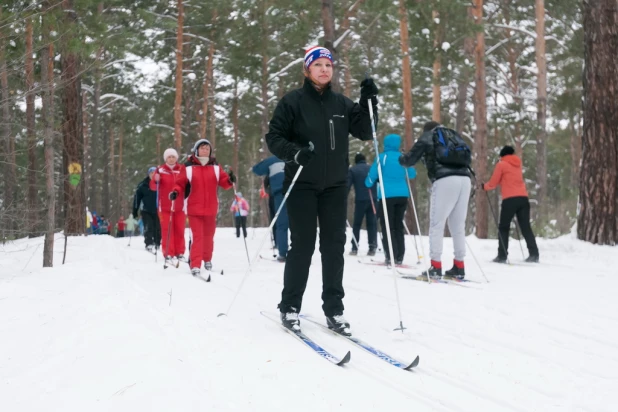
(75, 174)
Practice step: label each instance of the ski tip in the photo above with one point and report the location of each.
(222, 271)
(345, 359)
(221, 314)
(208, 280)
(414, 364)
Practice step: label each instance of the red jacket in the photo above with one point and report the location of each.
(170, 179)
(121, 224)
(204, 180)
(509, 177)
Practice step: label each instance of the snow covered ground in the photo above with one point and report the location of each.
(111, 330)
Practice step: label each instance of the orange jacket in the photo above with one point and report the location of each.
(509, 177)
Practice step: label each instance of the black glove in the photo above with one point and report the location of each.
(403, 160)
(232, 176)
(368, 90)
(304, 156)
(135, 213)
(173, 195)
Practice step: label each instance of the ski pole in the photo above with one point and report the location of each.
(519, 238)
(500, 240)
(415, 245)
(373, 207)
(418, 226)
(169, 232)
(477, 262)
(353, 237)
(385, 211)
(257, 253)
(240, 216)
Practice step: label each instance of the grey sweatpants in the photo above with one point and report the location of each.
(449, 202)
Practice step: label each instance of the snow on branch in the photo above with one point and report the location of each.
(165, 126)
(282, 71)
(341, 38)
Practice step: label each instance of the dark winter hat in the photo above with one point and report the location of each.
(151, 169)
(359, 157)
(429, 126)
(198, 144)
(507, 150)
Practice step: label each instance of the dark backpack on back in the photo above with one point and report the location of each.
(450, 148)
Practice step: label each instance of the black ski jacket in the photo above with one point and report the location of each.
(356, 177)
(424, 148)
(144, 195)
(326, 120)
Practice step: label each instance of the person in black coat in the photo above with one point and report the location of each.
(363, 207)
(145, 200)
(310, 128)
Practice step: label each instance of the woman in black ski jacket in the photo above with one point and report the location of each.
(310, 128)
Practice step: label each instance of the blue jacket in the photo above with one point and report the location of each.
(356, 176)
(393, 173)
(273, 167)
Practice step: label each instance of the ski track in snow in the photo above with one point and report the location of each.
(99, 333)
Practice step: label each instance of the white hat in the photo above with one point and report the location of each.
(170, 152)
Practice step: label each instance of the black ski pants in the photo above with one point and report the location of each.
(396, 208)
(152, 229)
(363, 209)
(307, 206)
(241, 221)
(511, 207)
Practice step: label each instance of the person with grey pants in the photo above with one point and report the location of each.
(450, 192)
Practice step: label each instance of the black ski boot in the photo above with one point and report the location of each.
(290, 320)
(433, 272)
(533, 259)
(372, 252)
(499, 259)
(353, 252)
(455, 273)
(338, 324)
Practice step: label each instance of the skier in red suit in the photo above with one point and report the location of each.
(204, 176)
(171, 177)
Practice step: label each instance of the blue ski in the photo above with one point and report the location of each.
(376, 352)
(309, 342)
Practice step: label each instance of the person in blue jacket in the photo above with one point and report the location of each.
(397, 193)
(363, 208)
(273, 167)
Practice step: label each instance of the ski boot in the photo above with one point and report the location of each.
(372, 252)
(290, 320)
(208, 265)
(338, 324)
(455, 273)
(195, 271)
(533, 259)
(353, 252)
(499, 259)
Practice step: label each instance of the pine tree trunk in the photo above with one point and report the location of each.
(480, 118)
(97, 149)
(33, 211)
(464, 82)
(328, 23)
(576, 153)
(48, 138)
(158, 147)
(87, 165)
(119, 202)
(512, 57)
(598, 217)
(345, 50)
(264, 83)
(9, 178)
(73, 138)
(437, 66)
(178, 99)
(235, 117)
(213, 117)
(112, 172)
(541, 145)
(406, 74)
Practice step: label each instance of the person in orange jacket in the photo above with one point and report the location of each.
(240, 209)
(508, 175)
(171, 177)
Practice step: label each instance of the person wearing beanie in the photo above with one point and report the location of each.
(509, 176)
(145, 201)
(363, 205)
(395, 200)
(310, 127)
(170, 180)
(240, 210)
(204, 176)
(450, 193)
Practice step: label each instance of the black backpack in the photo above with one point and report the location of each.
(450, 148)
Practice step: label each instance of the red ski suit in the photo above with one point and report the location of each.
(171, 179)
(202, 205)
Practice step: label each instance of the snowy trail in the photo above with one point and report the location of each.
(99, 333)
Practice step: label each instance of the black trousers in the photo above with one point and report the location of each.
(152, 229)
(241, 221)
(306, 207)
(363, 209)
(510, 208)
(396, 208)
